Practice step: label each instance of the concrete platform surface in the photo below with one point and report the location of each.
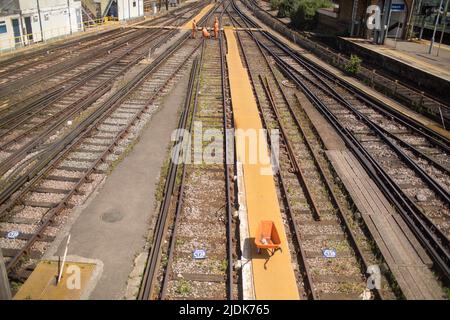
(413, 53)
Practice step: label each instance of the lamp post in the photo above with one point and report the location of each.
(410, 25)
(435, 27)
(443, 27)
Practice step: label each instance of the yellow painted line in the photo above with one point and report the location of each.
(205, 10)
(41, 285)
(277, 280)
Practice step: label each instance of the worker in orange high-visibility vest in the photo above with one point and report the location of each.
(206, 34)
(216, 28)
(194, 28)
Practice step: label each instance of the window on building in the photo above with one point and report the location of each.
(35, 19)
(134, 4)
(3, 27)
(46, 17)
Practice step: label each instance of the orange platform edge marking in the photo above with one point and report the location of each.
(277, 281)
(205, 10)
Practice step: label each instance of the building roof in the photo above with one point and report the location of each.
(9, 7)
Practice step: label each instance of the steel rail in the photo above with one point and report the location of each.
(438, 188)
(26, 114)
(195, 77)
(380, 106)
(153, 259)
(306, 273)
(345, 222)
(48, 157)
(54, 93)
(147, 285)
(39, 101)
(431, 238)
(75, 107)
(11, 86)
(180, 192)
(50, 51)
(227, 149)
(435, 101)
(84, 129)
(5, 194)
(49, 56)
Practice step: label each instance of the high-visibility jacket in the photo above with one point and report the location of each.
(205, 33)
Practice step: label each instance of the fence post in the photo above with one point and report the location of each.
(373, 77)
(422, 94)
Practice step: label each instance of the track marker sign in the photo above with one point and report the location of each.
(329, 253)
(12, 234)
(199, 254)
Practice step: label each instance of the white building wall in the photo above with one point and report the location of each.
(129, 9)
(53, 16)
(7, 40)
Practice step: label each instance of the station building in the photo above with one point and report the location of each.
(23, 22)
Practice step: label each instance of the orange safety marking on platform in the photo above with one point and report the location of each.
(205, 10)
(277, 280)
(41, 285)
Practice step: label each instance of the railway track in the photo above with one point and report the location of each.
(378, 124)
(437, 108)
(200, 217)
(319, 214)
(12, 64)
(65, 174)
(52, 77)
(35, 129)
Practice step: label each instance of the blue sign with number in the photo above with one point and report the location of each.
(199, 254)
(12, 234)
(398, 7)
(329, 253)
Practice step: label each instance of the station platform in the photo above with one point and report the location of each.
(273, 276)
(412, 53)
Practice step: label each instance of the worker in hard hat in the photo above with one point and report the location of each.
(216, 28)
(206, 34)
(194, 28)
